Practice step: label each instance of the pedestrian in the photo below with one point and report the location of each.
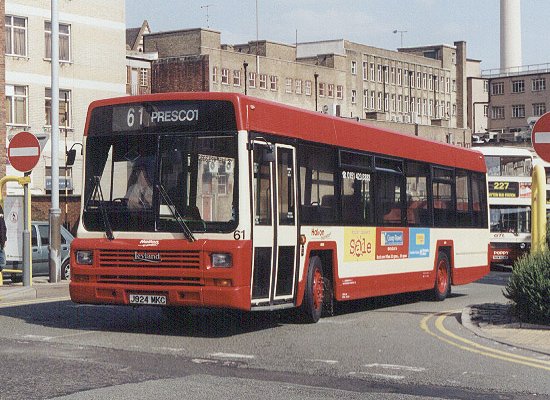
(3, 238)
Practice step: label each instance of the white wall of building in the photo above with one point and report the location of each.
(96, 69)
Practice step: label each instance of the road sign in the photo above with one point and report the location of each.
(24, 151)
(540, 137)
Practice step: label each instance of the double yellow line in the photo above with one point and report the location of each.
(449, 337)
(5, 304)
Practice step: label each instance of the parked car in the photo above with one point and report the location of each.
(40, 241)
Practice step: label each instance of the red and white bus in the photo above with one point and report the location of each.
(223, 200)
(509, 182)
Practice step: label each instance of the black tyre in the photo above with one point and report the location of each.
(66, 270)
(312, 306)
(442, 287)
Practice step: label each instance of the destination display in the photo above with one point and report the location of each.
(163, 116)
(504, 189)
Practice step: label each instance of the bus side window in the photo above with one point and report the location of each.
(317, 184)
(417, 194)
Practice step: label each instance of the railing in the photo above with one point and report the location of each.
(514, 71)
(134, 89)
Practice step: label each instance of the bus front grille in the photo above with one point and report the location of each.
(180, 259)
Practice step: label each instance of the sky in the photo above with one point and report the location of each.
(370, 22)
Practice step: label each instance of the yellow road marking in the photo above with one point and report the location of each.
(31, 301)
(476, 347)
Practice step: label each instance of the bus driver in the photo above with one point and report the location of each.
(140, 189)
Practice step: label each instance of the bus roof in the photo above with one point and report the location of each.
(259, 115)
(504, 151)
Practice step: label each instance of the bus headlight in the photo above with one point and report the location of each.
(222, 260)
(84, 257)
(522, 246)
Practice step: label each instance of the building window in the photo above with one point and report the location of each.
(321, 89)
(400, 103)
(339, 92)
(263, 81)
(16, 36)
(518, 111)
(252, 80)
(497, 88)
(538, 84)
(353, 96)
(379, 73)
(372, 96)
(288, 85)
(273, 82)
(64, 41)
(365, 70)
(354, 67)
(386, 73)
(392, 75)
(236, 77)
(215, 75)
(485, 110)
(518, 86)
(308, 88)
(298, 86)
(225, 76)
(331, 90)
(379, 101)
(64, 107)
(418, 80)
(386, 102)
(486, 86)
(16, 105)
(406, 77)
(371, 68)
(430, 82)
(365, 99)
(406, 104)
(539, 109)
(497, 112)
(447, 85)
(144, 77)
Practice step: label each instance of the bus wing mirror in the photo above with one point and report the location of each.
(71, 155)
(268, 154)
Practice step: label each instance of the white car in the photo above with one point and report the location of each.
(40, 242)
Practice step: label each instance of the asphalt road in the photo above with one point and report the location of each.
(398, 347)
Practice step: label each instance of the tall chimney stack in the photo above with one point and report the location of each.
(510, 34)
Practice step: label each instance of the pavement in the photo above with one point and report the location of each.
(493, 321)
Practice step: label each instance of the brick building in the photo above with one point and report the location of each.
(517, 98)
(421, 91)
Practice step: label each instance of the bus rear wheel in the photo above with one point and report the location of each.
(442, 287)
(312, 306)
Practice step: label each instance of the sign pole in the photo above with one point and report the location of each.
(27, 271)
(55, 211)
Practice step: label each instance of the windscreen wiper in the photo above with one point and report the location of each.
(175, 213)
(96, 191)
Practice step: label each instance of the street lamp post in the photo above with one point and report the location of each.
(316, 75)
(245, 66)
(401, 33)
(384, 69)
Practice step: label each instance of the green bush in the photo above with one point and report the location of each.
(529, 288)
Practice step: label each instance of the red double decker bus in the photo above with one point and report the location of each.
(223, 200)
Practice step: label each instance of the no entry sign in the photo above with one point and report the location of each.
(540, 137)
(24, 151)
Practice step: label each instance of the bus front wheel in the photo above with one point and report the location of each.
(312, 306)
(442, 287)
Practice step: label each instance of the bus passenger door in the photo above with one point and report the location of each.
(275, 234)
